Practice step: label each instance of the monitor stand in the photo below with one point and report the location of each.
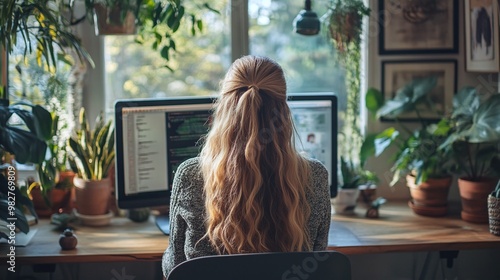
(163, 223)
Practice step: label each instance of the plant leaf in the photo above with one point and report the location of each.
(486, 122)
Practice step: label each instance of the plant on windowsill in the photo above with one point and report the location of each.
(418, 155)
(354, 177)
(91, 154)
(113, 17)
(344, 29)
(474, 143)
(54, 191)
(20, 139)
(155, 22)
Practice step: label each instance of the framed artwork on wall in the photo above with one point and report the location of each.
(396, 74)
(418, 27)
(481, 36)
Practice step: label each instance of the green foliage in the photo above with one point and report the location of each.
(417, 151)
(474, 139)
(24, 140)
(345, 25)
(91, 152)
(350, 174)
(48, 170)
(158, 21)
(410, 98)
(38, 20)
(344, 28)
(22, 202)
(354, 175)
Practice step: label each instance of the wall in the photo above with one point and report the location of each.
(485, 81)
(470, 264)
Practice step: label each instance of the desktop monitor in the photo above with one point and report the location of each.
(153, 136)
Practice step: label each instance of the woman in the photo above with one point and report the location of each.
(249, 190)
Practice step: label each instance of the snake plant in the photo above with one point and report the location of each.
(91, 152)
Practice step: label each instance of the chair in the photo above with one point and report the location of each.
(266, 266)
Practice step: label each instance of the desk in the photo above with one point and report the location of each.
(397, 230)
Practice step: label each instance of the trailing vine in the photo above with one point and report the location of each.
(345, 27)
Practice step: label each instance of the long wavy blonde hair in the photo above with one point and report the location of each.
(255, 180)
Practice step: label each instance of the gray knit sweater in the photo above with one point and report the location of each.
(187, 214)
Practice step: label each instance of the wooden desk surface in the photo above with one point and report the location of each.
(397, 230)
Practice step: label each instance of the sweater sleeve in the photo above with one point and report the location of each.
(324, 207)
(175, 254)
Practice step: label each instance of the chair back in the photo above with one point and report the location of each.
(263, 266)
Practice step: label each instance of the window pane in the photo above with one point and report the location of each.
(308, 61)
(137, 71)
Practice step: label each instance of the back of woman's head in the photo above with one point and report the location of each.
(255, 181)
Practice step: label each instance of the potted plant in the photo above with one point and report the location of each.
(40, 25)
(347, 43)
(113, 17)
(344, 20)
(91, 154)
(494, 210)
(474, 143)
(418, 155)
(54, 192)
(155, 22)
(348, 191)
(20, 139)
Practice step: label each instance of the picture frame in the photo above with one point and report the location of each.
(481, 36)
(407, 28)
(396, 74)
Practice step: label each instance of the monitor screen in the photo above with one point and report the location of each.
(153, 136)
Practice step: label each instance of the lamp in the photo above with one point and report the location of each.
(306, 22)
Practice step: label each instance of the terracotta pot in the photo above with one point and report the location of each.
(66, 179)
(494, 214)
(429, 198)
(66, 189)
(62, 200)
(92, 196)
(109, 21)
(41, 208)
(474, 196)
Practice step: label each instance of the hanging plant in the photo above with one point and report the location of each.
(345, 24)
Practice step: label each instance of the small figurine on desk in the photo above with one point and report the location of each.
(68, 240)
(372, 211)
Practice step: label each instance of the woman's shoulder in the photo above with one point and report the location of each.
(190, 165)
(188, 170)
(317, 167)
(188, 179)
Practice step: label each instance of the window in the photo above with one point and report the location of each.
(135, 71)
